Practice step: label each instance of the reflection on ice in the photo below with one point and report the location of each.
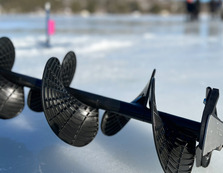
(21, 123)
(15, 157)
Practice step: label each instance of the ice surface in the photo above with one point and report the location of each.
(116, 55)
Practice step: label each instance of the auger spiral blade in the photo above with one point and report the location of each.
(11, 94)
(68, 70)
(112, 122)
(211, 136)
(34, 100)
(175, 149)
(7, 53)
(71, 120)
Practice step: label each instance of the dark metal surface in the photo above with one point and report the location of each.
(175, 149)
(11, 94)
(113, 122)
(67, 72)
(71, 120)
(7, 53)
(211, 131)
(34, 100)
(11, 99)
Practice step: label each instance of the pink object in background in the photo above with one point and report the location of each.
(51, 27)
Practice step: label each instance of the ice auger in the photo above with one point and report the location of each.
(73, 114)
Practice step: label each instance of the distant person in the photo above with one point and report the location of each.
(215, 7)
(193, 9)
(197, 9)
(221, 11)
(190, 8)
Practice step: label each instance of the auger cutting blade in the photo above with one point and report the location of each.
(71, 120)
(34, 100)
(67, 73)
(11, 95)
(7, 53)
(11, 99)
(68, 68)
(113, 122)
(175, 149)
(211, 130)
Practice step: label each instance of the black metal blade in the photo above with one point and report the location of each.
(71, 120)
(175, 149)
(11, 95)
(210, 131)
(68, 68)
(11, 99)
(7, 53)
(34, 100)
(67, 72)
(113, 122)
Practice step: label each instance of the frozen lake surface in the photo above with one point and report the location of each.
(116, 56)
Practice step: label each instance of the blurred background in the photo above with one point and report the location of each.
(106, 6)
(117, 44)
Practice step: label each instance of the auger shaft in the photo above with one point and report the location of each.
(22, 80)
(134, 110)
(130, 110)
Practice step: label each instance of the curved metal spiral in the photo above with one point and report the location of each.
(112, 122)
(11, 95)
(71, 120)
(175, 149)
(34, 100)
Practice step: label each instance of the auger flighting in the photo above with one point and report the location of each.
(73, 114)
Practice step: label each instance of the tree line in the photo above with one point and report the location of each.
(95, 6)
